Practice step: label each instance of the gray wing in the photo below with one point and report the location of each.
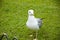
(39, 20)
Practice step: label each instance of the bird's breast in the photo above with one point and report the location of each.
(32, 24)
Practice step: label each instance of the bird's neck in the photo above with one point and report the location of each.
(31, 17)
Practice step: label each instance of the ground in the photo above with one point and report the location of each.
(13, 16)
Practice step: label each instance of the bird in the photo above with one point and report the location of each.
(33, 23)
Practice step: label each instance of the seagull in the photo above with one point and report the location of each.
(32, 22)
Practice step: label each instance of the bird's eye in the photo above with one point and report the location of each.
(29, 12)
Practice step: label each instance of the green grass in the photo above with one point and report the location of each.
(13, 16)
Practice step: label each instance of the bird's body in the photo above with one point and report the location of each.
(39, 20)
(32, 23)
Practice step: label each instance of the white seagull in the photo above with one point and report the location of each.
(32, 22)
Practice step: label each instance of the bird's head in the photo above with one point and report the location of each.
(31, 12)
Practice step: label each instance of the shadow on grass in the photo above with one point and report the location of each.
(1, 3)
(58, 2)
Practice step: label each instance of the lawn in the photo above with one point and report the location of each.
(13, 16)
